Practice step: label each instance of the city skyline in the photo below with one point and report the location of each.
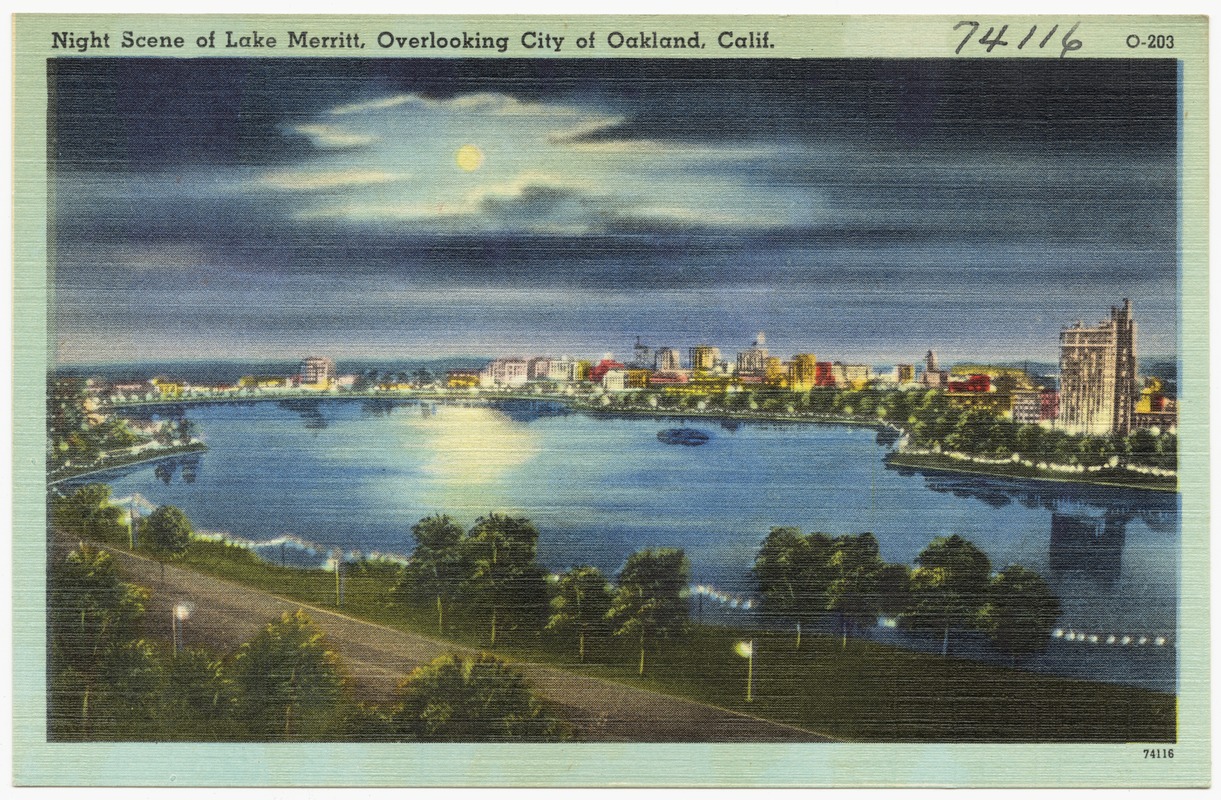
(389, 209)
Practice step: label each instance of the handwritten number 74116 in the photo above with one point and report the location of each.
(1067, 43)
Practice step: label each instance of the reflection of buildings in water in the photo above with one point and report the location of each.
(377, 408)
(1161, 520)
(1088, 523)
(529, 410)
(314, 421)
(1088, 546)
(1158, 510)
(309, 410)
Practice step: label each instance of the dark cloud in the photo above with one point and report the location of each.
(135, 113)
(1050, 181)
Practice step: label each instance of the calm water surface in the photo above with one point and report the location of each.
(357, 475)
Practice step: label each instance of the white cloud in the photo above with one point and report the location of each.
(294, 180)
(571, 136)
(488, 103)
(384, 212)
(379, 104)
(330, 137)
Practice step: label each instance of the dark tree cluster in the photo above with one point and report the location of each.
(108, 681)
(488, 576)
(930, 419)
(812, 578)
(490, 571)
(75, 436)
(88, 514)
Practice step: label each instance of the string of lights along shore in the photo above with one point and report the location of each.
(1096, 391)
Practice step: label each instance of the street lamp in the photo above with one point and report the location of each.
(178, 617)
(131, 523)
(747, 651)
(337, 556)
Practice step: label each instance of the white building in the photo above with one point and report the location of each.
(317, 372)
(563, 369)
(615, 380)
(505, 372)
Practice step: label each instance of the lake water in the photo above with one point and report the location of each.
(356, 475)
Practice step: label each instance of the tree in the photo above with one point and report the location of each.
(504, 577)
(88, 514)
(794, 572)
(437, 565)
(1020, 612)
(650, 601)
(199, 697)
(853, 590)
(581, 604)
(456, 699)
(290, 683)
(167, 530)
(894, 590)
(131, 690)
(92, 616)
(949, 586)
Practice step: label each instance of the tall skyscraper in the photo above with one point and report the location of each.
(1098, 387)
(668, 360)
(754, 360)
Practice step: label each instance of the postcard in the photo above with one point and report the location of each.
(611, 401)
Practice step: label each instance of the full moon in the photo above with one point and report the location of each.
(469, 157)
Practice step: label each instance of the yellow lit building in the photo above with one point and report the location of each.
(462, 379)
(638, 378)
(262, 382)
(802, 370)
(169, 388)
(704, 357)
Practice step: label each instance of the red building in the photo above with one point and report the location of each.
(1049, 404)
(604, 366)
(668, 379)
(974, 383)
(824, 373)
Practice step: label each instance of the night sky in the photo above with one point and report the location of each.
(860, 210)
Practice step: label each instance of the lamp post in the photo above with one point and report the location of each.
(747, 651)
(337, 555)
(178, 616)
(131, 523)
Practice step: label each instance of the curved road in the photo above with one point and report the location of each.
(378, 658)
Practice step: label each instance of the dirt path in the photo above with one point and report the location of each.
(378, 657)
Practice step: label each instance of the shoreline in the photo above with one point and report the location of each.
(196, 447)
(945, 464)
(917, 462)
(574, 404)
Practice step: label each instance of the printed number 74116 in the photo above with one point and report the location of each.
(1159, 752)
